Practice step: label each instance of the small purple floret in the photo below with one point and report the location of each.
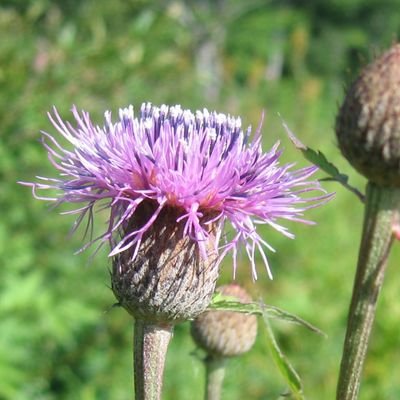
(204, 164)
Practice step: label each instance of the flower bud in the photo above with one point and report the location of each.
(368, 123)
(169, 280)
(226, 333)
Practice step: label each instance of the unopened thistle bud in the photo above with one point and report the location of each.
(226, 333)
(368, 132)
(368, 123)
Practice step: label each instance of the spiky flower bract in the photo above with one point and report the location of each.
(203, 165)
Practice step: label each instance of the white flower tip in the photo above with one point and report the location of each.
(238, 123)
(126, 113)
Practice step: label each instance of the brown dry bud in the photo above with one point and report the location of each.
(226, 333)
(368, 123)
(169, 280)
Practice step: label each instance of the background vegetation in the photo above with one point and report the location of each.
(59, 336)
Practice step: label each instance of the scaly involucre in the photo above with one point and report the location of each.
(203, 164)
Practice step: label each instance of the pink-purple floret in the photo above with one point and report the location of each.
(204, 164)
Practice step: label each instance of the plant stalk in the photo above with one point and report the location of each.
(215, 373)
(381, 214)
(150, 349)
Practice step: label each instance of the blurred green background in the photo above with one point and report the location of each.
(59, 336)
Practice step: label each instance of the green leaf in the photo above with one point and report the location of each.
(319, 159)
(287, 371)
(227, 303)
(289, 374)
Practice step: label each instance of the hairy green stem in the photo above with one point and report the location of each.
(215, 373)
(150, 349)
(381, 213)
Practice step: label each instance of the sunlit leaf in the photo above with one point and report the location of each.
(226, 303)
(320, 160)
(287, 371)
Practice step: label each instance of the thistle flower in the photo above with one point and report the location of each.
(202, 166)
(170, 181)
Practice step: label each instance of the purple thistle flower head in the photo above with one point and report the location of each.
(202, 164)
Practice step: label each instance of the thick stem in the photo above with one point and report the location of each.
(215, 373)
(150, 349)
(381, 213)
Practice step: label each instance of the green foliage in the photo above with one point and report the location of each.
(286, 369)
(226, 303)
(318, 158)
(60, 337)
(221, 302)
